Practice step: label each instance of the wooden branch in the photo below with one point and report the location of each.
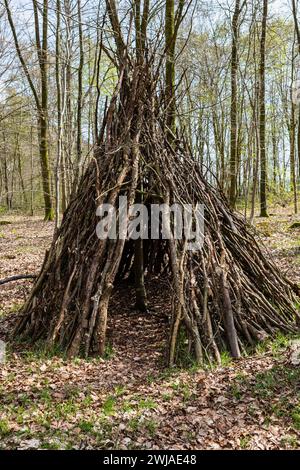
(115, 24)
(37, 30)
(20, 55)
(17, 278)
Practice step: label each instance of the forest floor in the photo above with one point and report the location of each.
(129, 400)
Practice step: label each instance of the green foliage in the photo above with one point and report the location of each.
(109, 406)
(184, 355)
(4, 427)
(226, 358)
(86, 426)
(147, 404)
(290, 441)
(275, 345)
(109, 351)
(296, 417)
(40, 352)
(276, 388)
(50, 446)
(244, 442)
(151, 426)
(236, 391)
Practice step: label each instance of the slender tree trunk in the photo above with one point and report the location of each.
(44, 126)
(233, 111)
(6, 182)
(31, 172)
(139, 268)
(59, 113)
(79, 98)
(262, 116)
(256, 159)
(297, 30)
(140, 290)
(293, 182)
(18, 151)
(298, 151)
(43, 144)
(170, 65)
(293, 125)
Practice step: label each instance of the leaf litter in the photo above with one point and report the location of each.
(129, 400)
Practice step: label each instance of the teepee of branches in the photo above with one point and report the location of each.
(225, 296)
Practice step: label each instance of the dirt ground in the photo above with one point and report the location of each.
(129, 400)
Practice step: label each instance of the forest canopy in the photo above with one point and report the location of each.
(217, 48)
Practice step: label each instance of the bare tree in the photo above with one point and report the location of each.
(262, 115)
(234, 102)
(41, 93)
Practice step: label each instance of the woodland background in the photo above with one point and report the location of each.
(71, 73)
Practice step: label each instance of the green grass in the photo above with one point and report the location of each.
(226, 359)
(147, 404)
(86, 426)
(64, 409)
(137, 423)
(109, 352)
(4, 428)
(278, 388)
(50, 446)
(151, 427)
(134, 424)
(266, 383)
(182, 389)
(127, 406)
(275, 345)
(236, 391)
(13, 308)
(119, 390)
(167, 397)
(290, 441)
(41, 352)
(296, 417)
(109, 406)
(184, 357)
(244, 442)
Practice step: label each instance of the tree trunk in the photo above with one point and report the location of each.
(170, 66)
(233, 111)
(43, 146)
(293, 183)
(262, 116)
(79, 97)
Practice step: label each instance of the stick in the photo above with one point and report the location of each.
(17, 278)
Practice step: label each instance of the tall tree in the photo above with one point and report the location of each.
(80, 93)
(233, 111)
(40, 93)
(262, 114)
(172, 22)
(297, 30)
(292, 132)
(170, 63)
